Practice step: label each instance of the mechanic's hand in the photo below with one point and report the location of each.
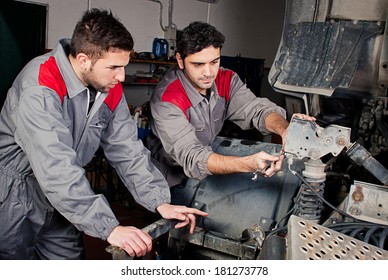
(133, 240)
(303, 117)
(181, 213)
(265, 164)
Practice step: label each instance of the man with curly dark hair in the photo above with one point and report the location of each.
(192, 102)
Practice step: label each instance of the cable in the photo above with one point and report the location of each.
(383, 236)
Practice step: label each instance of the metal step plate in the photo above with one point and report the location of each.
(310, 241)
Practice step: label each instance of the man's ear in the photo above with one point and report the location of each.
(83, 61)
(180, 61)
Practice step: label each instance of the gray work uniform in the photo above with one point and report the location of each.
(47, 136)
(187, 122)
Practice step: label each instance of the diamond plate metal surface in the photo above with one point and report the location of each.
(310, 241)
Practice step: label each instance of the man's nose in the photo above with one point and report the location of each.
(206, 70)
(120, 74)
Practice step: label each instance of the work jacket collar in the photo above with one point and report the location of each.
(194, 96)
(73, 84)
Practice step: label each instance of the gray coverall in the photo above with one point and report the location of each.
(47, 136)
(187, 122)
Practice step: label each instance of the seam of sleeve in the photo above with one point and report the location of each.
(261, 125)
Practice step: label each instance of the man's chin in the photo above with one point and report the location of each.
(207, 85)
(107, 88)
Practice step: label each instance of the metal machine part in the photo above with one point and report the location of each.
(362, 157)
(236, 204)
(215, 245)
(372, 128)
(368, 202)
(305, 139)
(309, 241)
(362, 221)
(329, 46)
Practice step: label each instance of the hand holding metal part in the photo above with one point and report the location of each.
(270, 168)
(260, 172)
(154, 230)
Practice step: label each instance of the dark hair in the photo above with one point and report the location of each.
(198, 36)
(97, 32)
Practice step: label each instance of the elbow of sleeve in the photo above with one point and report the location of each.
(199, 168)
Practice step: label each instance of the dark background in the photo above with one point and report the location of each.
(22, 37)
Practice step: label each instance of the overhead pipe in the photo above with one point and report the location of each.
(170, 11)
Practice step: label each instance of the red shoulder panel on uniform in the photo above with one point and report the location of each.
(114, 97)
(50, 76)
(223, 80)
(176, 94)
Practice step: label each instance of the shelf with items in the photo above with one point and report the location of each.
(153, 61)
(139, 115)
(146, 72)
(141, 77)
(140, 80)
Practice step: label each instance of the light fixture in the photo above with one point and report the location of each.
(209, 1)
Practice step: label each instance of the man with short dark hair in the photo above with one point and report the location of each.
(61, 108)
(192, 102)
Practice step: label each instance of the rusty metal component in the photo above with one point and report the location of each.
(368, 202)
(155, 230)
(256, 234)
(357, 195)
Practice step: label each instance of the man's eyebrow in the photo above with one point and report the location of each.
(115, 66)
(197, 62)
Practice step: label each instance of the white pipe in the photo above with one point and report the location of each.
(170, 9)
(208, 13)
(160, 14)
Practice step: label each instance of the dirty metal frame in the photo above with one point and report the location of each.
(247, 250)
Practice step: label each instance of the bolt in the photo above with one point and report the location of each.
(328, 141)
(341, 141)
(355, 211)
(357, 195)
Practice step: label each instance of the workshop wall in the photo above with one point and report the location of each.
(252, 28)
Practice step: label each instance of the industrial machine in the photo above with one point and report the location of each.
(330, 201)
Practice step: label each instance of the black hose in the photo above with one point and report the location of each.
(383, 237)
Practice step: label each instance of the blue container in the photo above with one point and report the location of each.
(160, 48)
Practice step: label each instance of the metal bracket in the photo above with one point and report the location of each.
(305, 139)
